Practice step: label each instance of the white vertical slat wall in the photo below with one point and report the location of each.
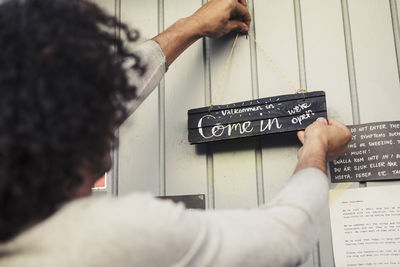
(275, 29)
(234, 162)
(348, 48)
(184, 89)
(326, 67)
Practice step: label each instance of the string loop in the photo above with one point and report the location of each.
(301, 90)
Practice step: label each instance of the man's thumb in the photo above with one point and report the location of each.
(300, 135)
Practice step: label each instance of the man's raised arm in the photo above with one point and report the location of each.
(214, 19)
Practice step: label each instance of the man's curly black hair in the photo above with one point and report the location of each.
(63, 90)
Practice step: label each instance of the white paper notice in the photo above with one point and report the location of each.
(366, 227)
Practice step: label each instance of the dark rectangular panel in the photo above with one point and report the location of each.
(255, 117)
(190, 201)
(374, 154)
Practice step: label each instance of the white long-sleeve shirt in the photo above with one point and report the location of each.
(139, 230)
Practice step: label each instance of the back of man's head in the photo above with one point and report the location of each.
(62, 93)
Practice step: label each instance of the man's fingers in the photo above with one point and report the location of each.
(237, 26)
(322, 120)
(337, 124)
(241, 13)
(342, 128)
(243, 2)
(300, 135)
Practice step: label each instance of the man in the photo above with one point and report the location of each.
(66, 82)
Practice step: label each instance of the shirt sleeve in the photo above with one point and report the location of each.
(281, 233)
(139, 230)
(153, 58)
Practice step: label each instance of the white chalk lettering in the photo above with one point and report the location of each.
(382, 173)
(363, 175)
(375, 157)
(199, 125)
(342, 177)
(302, 117)
(299, 108)
(394, 134)
(240, 110)
(353, 145)
(359, 168)
(392, 164)
(381, 143)
(377, 165)
(218, 129)
(341, 161)
(358, 153)
(377, 127)
(269, 124)
(375, 135)
(269, 106)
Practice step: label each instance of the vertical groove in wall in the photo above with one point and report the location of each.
(396, 31)
(351, 67)
(300, 44)
(115, 152)
(114, 172)
(256, 94)
(303, 84)
(316, 255)
(210, 179)
(350, 62)
(207, 100)
(161, 107)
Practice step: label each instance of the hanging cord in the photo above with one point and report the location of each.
(340, 189)
(228, 61)
(284, 76)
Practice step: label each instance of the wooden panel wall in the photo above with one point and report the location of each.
(348, 48)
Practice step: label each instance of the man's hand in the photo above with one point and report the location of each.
(219, 17)
(214, 19)
(322, 141)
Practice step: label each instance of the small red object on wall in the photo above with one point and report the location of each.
(101, 183)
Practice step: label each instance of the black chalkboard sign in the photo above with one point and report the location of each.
(374, 154)
(269, 115)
